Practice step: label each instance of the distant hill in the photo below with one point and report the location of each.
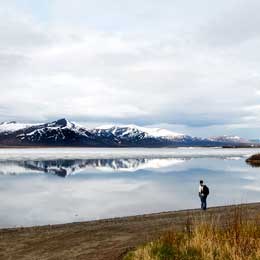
(65, 133)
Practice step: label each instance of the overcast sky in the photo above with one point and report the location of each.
(190, 66)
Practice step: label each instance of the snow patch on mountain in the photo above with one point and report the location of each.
(55, 129)
(12, 126)
(149, 132)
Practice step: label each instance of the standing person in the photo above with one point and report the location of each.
(203, 193)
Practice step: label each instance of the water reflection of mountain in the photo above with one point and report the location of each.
(66, 167)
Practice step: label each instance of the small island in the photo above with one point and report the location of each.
(254, 160)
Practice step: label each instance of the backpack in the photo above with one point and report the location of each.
(205, 190)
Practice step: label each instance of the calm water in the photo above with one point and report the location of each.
(47, 186)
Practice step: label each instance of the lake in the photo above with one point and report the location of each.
(60, 185)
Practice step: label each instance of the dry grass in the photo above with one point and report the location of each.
(235, 238)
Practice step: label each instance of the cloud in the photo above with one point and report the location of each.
(237, 23)
(155, 64)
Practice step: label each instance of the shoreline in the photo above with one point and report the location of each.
(101, 239)
(127, 218)
(133, 147)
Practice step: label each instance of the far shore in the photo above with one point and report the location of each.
(130, 147)
(102, 239)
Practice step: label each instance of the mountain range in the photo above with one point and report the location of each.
(63, 132)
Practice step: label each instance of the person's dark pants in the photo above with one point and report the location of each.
(203, 202)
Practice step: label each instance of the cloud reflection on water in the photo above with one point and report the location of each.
(32, 192)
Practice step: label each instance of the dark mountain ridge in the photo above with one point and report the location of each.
(65, 133)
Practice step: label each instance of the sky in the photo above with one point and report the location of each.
(188, 66)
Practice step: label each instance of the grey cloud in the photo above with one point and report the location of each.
(11, 62)
(239, 22)
(159, 71)
(18, 33)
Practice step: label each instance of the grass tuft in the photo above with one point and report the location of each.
(235, 238)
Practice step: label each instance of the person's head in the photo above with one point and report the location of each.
(201, 182)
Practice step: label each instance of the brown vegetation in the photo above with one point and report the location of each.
(233, 238)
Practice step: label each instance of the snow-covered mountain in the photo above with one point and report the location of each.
(139, 136)
(229, 139)
(124, 131)
(65, 133)
(58, 133)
